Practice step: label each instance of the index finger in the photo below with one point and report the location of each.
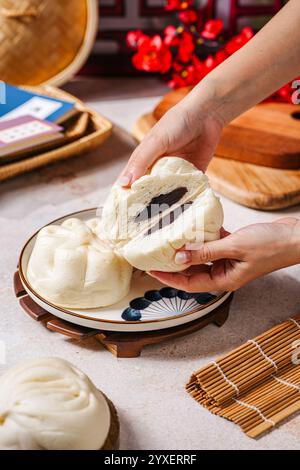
(148, 151)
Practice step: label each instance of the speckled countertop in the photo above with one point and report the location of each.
(154, 409)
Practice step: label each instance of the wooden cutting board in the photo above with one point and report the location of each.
(258, 187)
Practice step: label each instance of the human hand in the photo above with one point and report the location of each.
(236, 258)
(191, 130)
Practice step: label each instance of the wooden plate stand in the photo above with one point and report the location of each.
(122, 345)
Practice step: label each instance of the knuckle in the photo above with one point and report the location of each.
(188, 118)
(163, 140)
(204, 254)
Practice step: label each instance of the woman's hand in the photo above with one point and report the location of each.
(237, 258)
(192, 128)
(188, 130)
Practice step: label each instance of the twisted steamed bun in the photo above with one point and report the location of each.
(48, 404)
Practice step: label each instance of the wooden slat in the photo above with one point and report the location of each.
(18, 286)
(34, 310)
(70, 329)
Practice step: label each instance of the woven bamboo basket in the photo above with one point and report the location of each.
(87, 132)
(45, 41)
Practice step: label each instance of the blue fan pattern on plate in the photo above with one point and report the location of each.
(166, 302)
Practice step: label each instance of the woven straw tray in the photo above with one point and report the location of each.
(89, 131)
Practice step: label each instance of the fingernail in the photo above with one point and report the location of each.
(182, 257)
(124, 180)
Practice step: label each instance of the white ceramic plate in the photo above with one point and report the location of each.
(149, 305)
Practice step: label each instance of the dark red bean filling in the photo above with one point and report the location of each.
(160, 203)
(169, 218)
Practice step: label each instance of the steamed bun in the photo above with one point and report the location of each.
(48, 404)
(126, 211)
(71, 266)
(160, 213)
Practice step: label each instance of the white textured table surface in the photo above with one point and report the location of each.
(154, 409)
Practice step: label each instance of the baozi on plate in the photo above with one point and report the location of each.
(70, 266)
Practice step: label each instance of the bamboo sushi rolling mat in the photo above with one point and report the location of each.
(258, 384)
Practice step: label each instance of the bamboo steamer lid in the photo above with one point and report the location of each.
(45, 41)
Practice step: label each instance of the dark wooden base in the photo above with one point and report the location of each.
(123, 345)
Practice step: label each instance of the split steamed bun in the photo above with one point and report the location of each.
(71, 266)
(48, 404)
(156, 252)
(160, 213)
(126, 212)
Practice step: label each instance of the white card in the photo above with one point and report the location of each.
(37, 107)
(23, 131)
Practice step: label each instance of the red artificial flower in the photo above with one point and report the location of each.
(199, 69)
(178, 67)
(182, 79)
(186, 47)
(187, 75)
(234, 44)
(152, 55)
(239, 40)
(171, 38)
(283, 95)
(212, 29)
(247, 32)
(176, 82)
(188, 16)
(209, 64)
(133, 38)
(285, 92)
(220, 56)
(179, 4)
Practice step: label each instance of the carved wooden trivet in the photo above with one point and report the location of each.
(123, 345)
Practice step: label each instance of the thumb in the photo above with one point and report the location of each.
(150, 149)
(207, 252)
